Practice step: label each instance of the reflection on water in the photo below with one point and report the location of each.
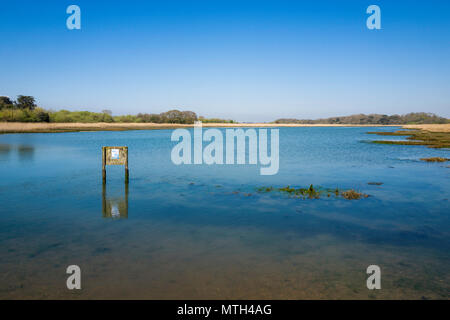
(5, 151)
(115, 207)
(24, 152)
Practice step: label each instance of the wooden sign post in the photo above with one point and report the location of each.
(115, 156)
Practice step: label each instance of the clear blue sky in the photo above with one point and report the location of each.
(246, 60)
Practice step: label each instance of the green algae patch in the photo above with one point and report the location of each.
(416, 138)
(353, 195)
(264, 189)
(313, 192)
(310, 192)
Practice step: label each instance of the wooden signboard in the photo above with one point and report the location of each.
(114, 156)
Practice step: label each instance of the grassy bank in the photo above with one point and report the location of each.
(439, 133)
(21, 127)
(431, 135)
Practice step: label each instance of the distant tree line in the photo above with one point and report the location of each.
(382, 119)
(24, 109)
(172, 116)
(80, 116)
(215, 120)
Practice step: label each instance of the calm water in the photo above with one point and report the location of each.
(203, 231)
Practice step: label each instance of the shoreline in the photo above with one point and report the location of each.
(29, 127)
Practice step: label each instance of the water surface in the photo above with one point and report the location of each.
(188, 232)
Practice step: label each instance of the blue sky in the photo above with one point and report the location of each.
(245, 60)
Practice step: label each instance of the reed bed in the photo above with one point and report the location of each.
(22, 127)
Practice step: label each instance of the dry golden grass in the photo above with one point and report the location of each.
(16, 127)
(429, 127)
(20, 127)
(290, 125)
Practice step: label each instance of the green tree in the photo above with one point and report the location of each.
(5, 102)
(25, 102)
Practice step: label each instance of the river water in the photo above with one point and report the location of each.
(204, 232)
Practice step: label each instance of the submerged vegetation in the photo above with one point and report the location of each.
(435, 159)
(353, 195)
(314, 193)
(417, 138)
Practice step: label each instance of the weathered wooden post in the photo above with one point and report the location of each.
(115, 156)
(104, 199)
(126, 166)
(104, 164)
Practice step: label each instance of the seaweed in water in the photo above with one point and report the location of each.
(353, 195)
(314, 193)
(435, 159)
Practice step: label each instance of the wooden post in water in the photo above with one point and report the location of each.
(104, 164)
(104, 199)
(126, 166)
(115, 156)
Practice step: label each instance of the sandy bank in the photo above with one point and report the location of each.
(429, 127)
(20, 127)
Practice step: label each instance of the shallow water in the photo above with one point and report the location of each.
(204, 232)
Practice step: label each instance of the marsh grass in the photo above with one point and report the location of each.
(19, 127)
(55, 127)
(430, 139)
